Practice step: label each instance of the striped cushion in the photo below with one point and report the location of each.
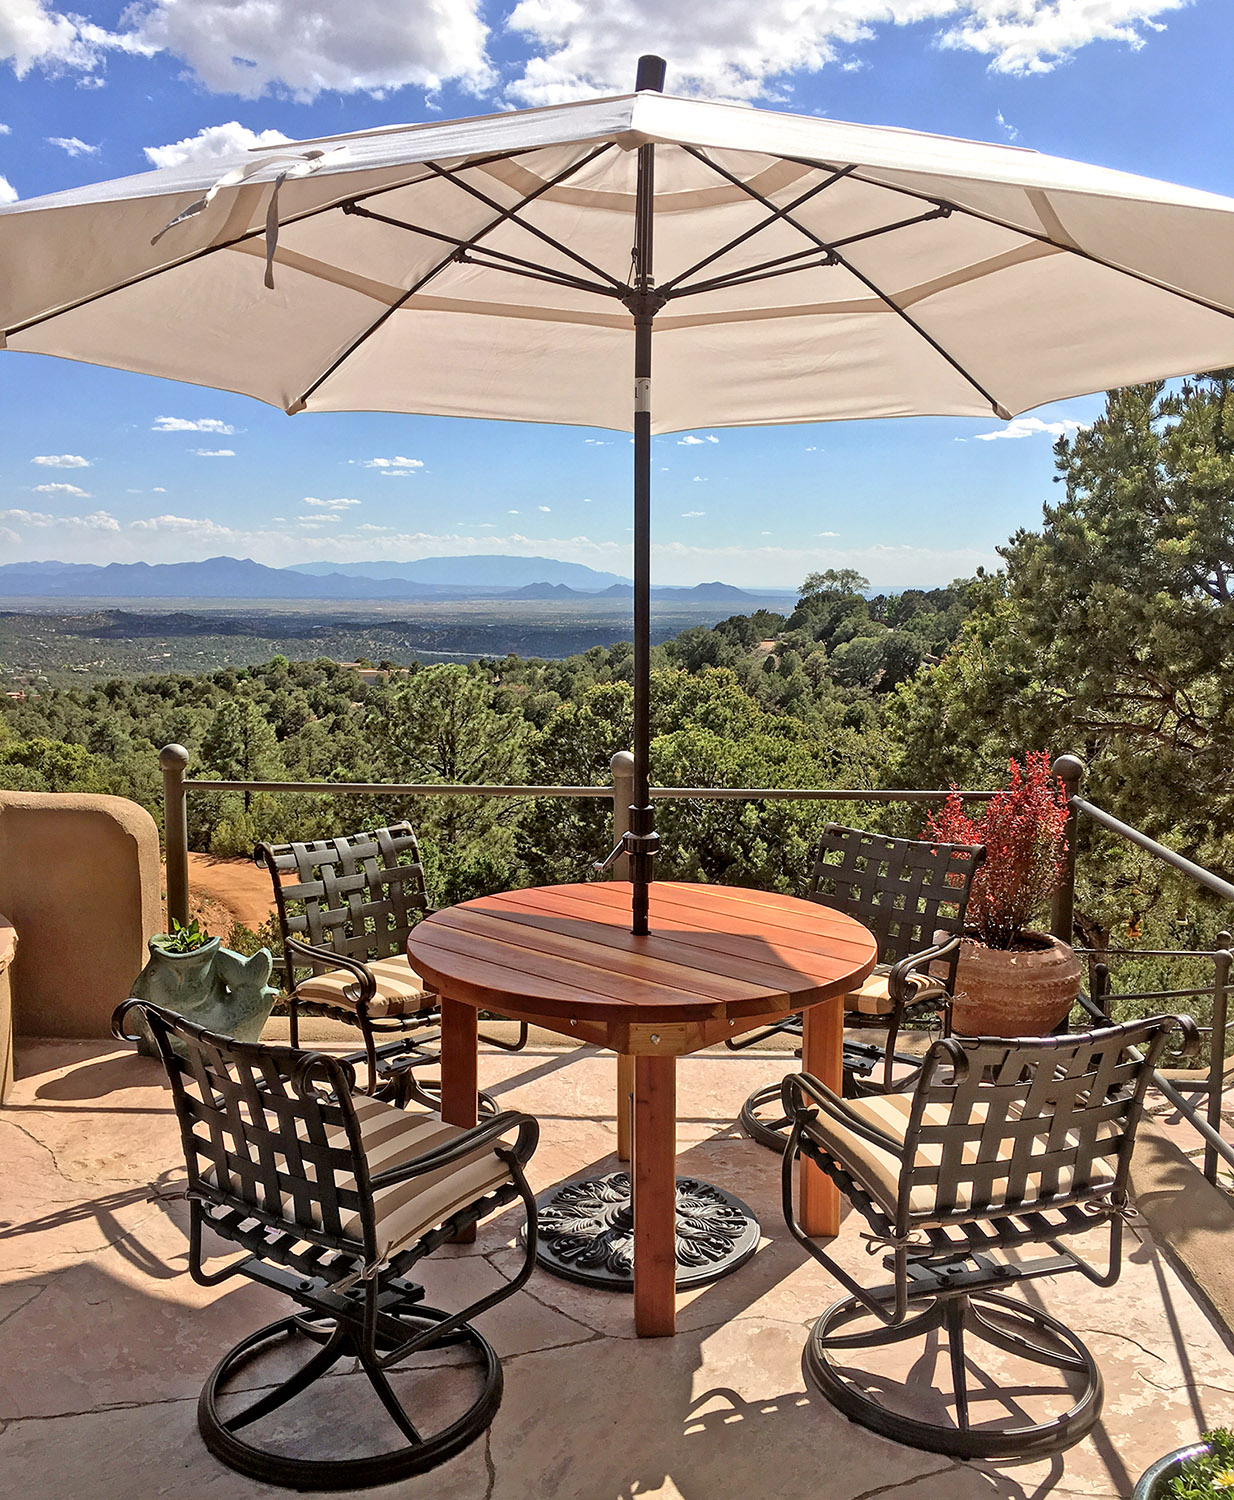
(878, 1170)
(872, 999)
(409, 1209)
(400, 990)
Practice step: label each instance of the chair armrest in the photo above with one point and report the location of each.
(485, 1134)
(901, 975)
(294, 948)
(798, 1087)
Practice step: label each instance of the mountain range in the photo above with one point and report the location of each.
(483, 577)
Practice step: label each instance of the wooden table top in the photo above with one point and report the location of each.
(713, 953)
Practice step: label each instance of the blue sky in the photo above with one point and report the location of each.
(98, 465)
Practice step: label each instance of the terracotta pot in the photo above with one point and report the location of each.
(1023, 991)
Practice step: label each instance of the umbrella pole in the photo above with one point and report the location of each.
(643, 302)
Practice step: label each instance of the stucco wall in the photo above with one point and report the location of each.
(80, 881)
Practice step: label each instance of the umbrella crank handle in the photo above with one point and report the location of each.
(601, 865)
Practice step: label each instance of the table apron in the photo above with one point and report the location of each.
(649, 1039)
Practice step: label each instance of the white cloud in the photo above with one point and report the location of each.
(598, 442)
(200, 527)
(8, 193)
(1012, 133)
(689, 515)
(696, 442)
(586, 499)
(98, 520)
(319, 520)
(5, 129)
(545, 508)
(189, 424)
(59, 489)
(397, 464)
(329, 504)
(215, 452)
(212, 143)
(701, 479)
(826, 533)
(61, 461)
(158, 489)
(73, 146)
(32, 35)
(1023, 427)
(512, 513)
(9, 538)
(303, 47)
(745, 53)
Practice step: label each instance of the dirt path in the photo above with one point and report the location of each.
(238, 885)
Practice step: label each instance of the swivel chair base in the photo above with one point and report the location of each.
(1007, 1324)
(333, 1342)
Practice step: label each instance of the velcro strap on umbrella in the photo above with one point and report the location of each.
(301, 163)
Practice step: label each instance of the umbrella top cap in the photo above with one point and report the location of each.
(650, 76)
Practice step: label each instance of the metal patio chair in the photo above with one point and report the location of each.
(1004, 1145)
(913, 895)
(332, 1197)
(345, 908)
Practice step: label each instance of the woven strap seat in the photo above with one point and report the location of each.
(874, 997)
(400, 990)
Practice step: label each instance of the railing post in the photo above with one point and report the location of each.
(1069, 769)
(1216, 1048)
(622, 765)
(174, 759)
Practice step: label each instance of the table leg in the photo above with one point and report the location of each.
(655, 1196)
(459, 1073)
(625, 1089)
(822, 1055)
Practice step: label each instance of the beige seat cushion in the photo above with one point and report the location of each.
(400, 990)
(409, 1209)
(872, 999)
(878, 1170)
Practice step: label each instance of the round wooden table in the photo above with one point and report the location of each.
(719, 960)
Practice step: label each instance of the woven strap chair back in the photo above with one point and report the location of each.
(903, 890)
(269, 1131)
(359, 895)
(1000, 1126)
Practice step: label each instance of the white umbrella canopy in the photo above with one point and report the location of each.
(515, 267)
(911, 274)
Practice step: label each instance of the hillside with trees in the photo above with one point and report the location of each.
(1109, 631)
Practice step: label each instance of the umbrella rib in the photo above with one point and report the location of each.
(768, 268)
(1039, 236)
(882, 296)
(512, 216)
(240, 239)
(441, 265)
(529, 267)
(775, 215)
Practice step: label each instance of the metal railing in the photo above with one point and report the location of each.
(177, 787)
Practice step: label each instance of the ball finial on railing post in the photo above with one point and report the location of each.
(650, 75)
(174, 761)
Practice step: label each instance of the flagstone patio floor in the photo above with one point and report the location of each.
(105, 1341)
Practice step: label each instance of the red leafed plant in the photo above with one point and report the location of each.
(1024, 832)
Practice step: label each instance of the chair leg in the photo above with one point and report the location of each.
(293, 1023)
(515, 1046)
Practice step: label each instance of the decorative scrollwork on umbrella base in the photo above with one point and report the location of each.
(586, 1232)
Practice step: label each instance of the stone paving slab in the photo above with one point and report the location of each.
(105, 1341)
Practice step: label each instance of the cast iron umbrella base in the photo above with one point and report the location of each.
(586, 1232)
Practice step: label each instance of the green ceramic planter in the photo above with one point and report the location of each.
(211, 986)
(1155, 1479)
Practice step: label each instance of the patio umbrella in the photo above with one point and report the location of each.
(515, 266)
